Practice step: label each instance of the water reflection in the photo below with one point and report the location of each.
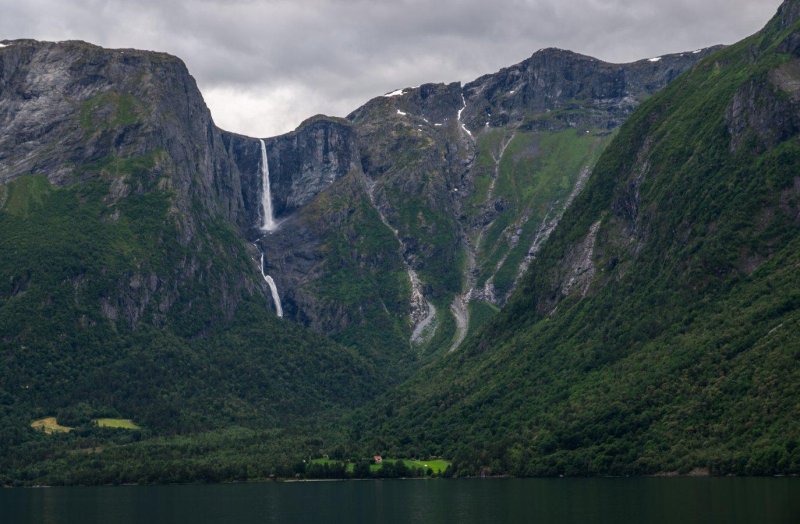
(437, 501)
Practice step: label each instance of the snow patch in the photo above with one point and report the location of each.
(463, 126)
(3, 45)
(696, 51)
(463, 107)
(656, 59)
(401, 113)
(398, 92)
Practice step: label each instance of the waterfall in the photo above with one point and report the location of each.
(266, 195)
(272, 287)
(268, 224)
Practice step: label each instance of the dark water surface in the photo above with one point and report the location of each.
(651, 500)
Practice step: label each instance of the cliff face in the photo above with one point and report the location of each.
(302, 164)
(308, 160)
(72, 104)
(335, 264)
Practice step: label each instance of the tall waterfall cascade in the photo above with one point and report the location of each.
(273, 288)
(268, 220)
(268, 224)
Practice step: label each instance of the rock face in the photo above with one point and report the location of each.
(788, 14)
(301, 164)
(761, 114)
(308, 160)
(135, 120)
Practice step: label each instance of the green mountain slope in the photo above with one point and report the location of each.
(471, 179)
(656, 330)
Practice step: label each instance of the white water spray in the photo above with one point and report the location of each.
(273, 288)
(269, 223)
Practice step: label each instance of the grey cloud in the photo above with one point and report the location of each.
(264, 66)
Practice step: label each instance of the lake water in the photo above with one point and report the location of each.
(650, 500)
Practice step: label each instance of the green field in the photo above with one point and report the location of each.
(118, 423)
(439, 466)
(536, 175)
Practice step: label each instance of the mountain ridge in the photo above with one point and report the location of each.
(407, 174)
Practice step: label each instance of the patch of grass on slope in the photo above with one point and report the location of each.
(538, 172)
(116, 423)
(108, 109)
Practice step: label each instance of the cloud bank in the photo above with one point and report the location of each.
(264, 66)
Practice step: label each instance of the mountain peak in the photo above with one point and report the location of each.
(556, 52)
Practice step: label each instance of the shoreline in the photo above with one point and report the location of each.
(661, 475)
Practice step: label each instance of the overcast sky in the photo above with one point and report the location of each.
(265, 65)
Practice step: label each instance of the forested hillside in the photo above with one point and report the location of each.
(656, 331)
